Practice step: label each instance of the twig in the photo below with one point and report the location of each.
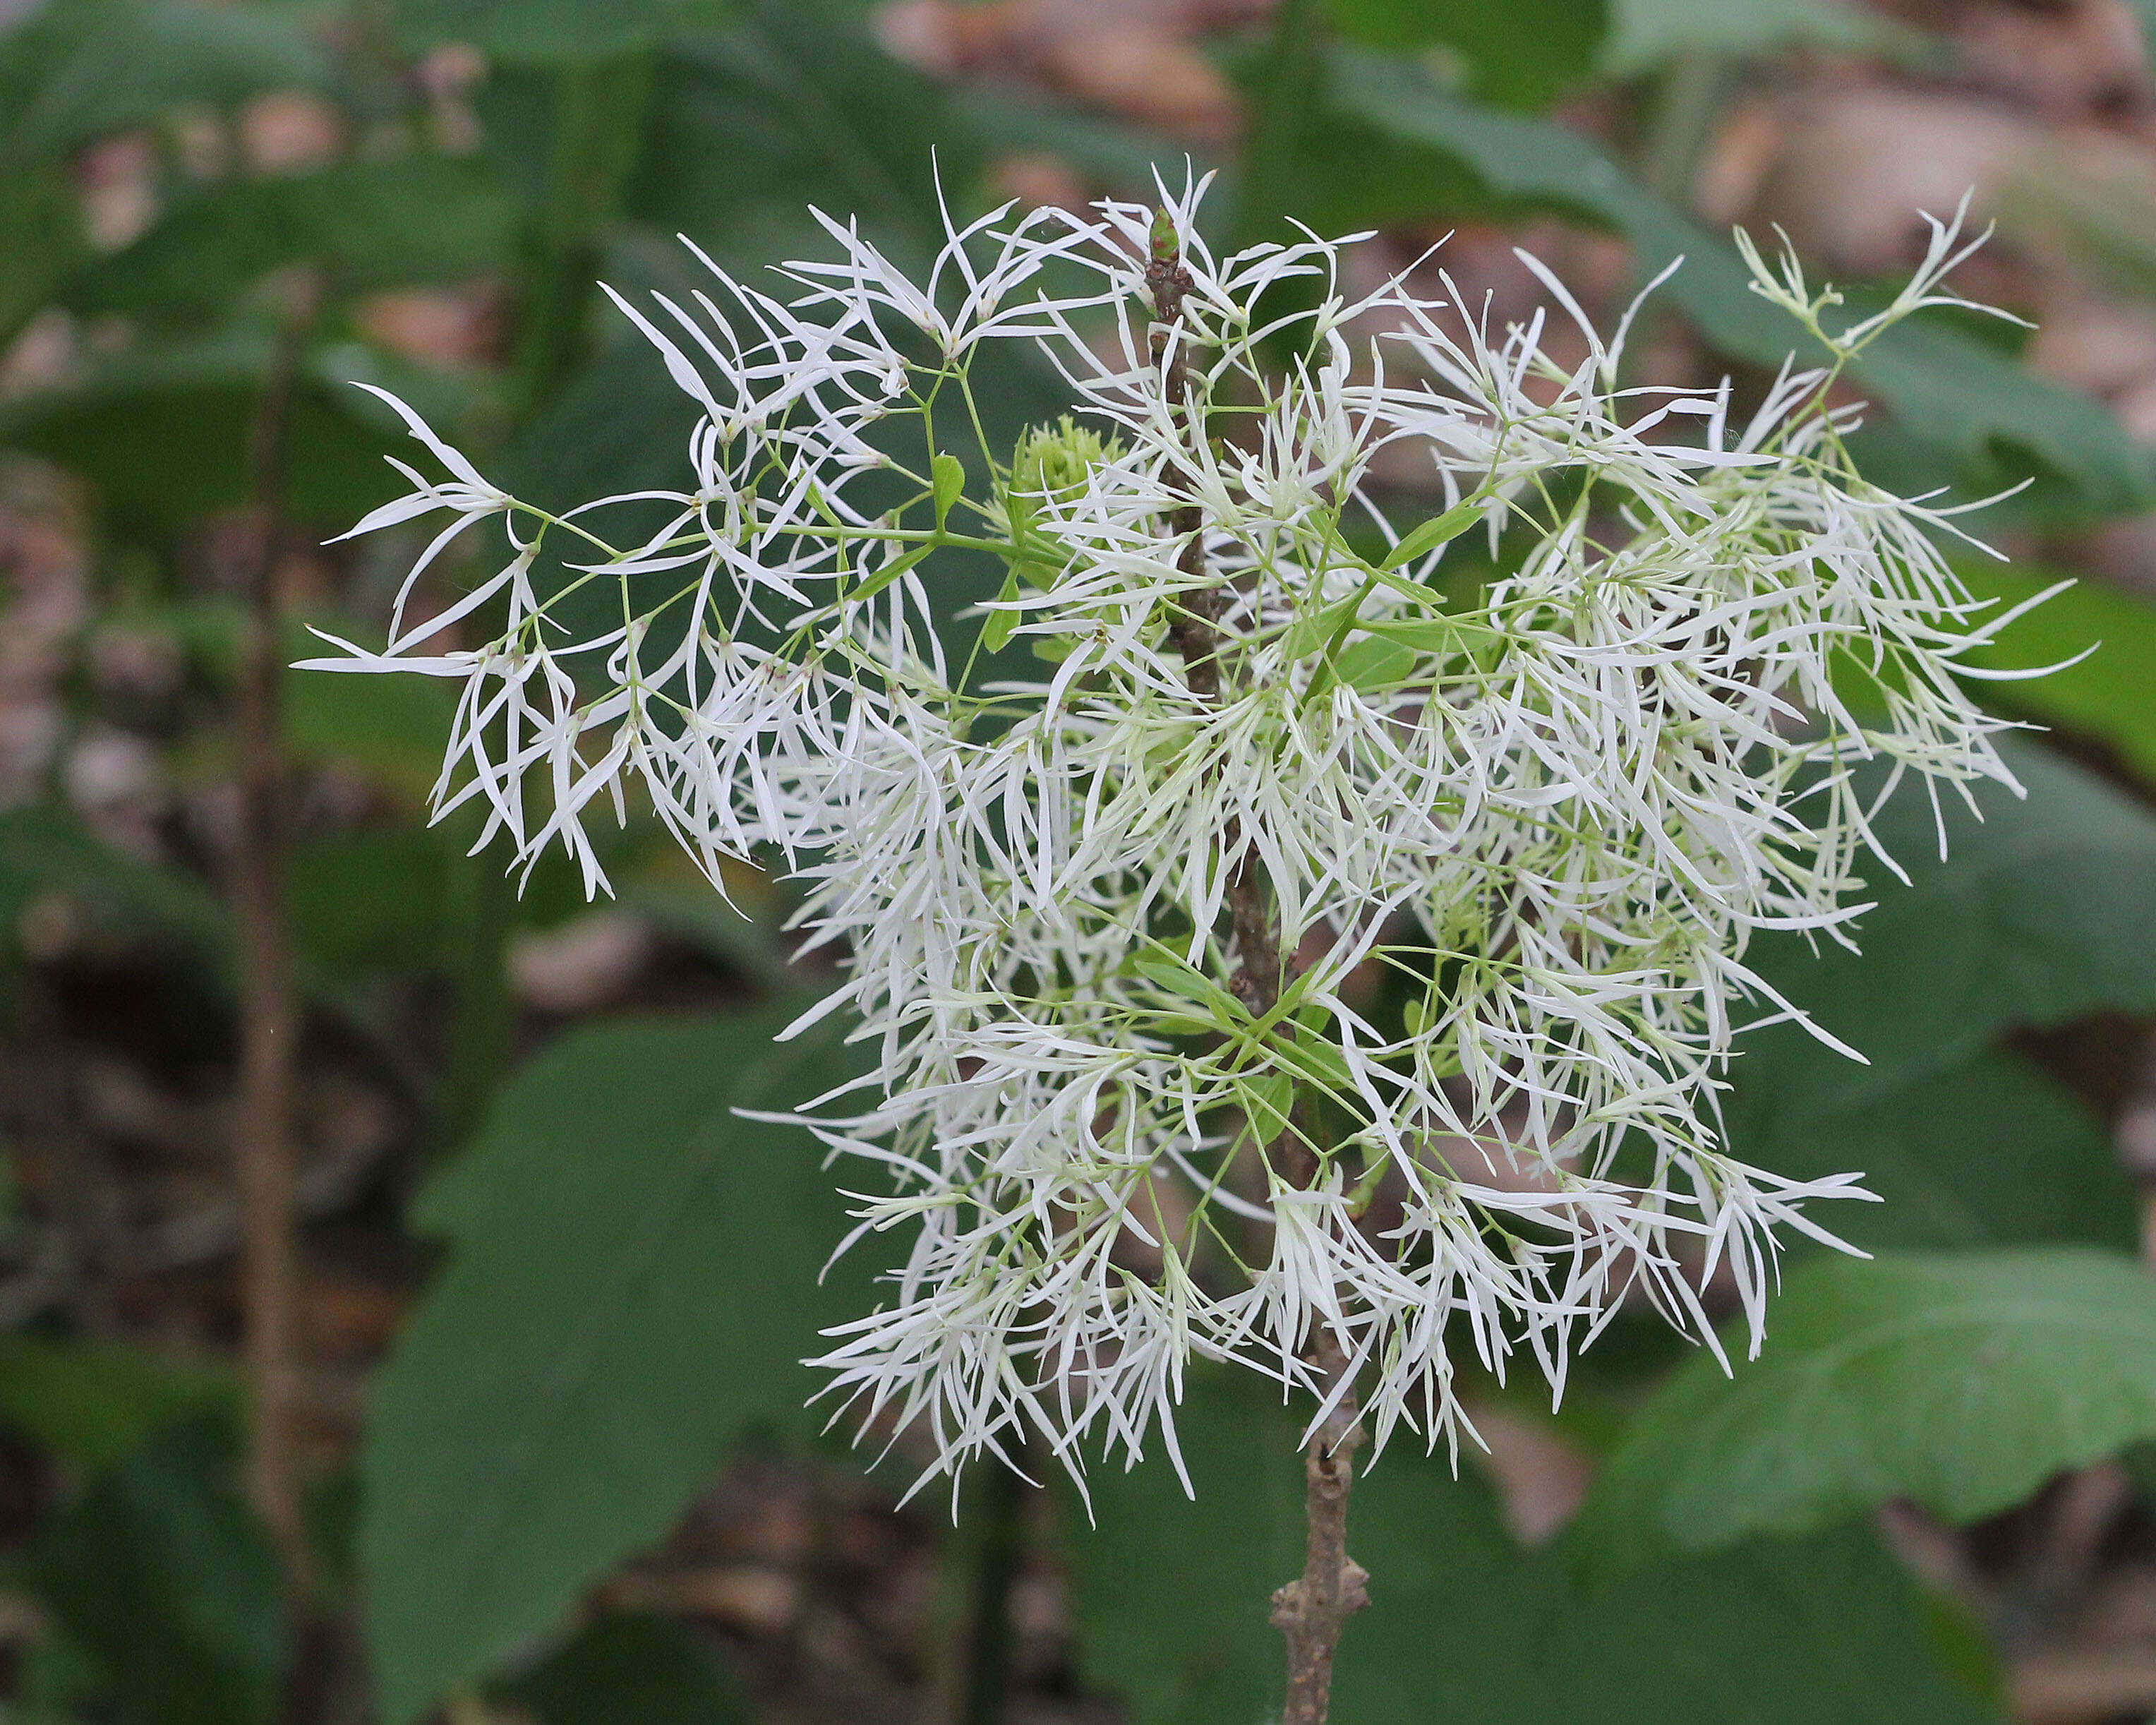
(1311, 1611)
(269, 1019)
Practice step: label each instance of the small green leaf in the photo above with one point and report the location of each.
(1305, 635)
(92, 1403)
(1166, 969)
(1375, 664)
(948, 474)
(996, 633)
(1267, 1101)
(1431, 634)
(889, 572)
(1961, 1381)
(1317, 1058)
(1438, 530)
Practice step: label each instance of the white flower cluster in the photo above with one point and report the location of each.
(1334, 953)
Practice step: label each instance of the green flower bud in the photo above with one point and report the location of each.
(1051, 462)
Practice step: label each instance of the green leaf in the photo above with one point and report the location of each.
(1521, 56)
(141, 59)
(997, 632)
(40, 239)
(1961, 1381)
(161, 433)
(49, 850)
(1438, 530)
(630, 1670)
(91, 1403)
(370, 900)
(799, 105)
(1373, 663)
(1268, 1103)
(1645, 33)
(2041, 914)
(1990, 1152)
(379, 224)
(549, 32)
(889, 572)
(1171, 1599)
(158, 1571)
(632, 1284)
(1430, 635)
(1166, 969)
(948, 474)
(1942, 386)
(2106, 694)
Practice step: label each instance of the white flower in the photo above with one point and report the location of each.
(1326, 948)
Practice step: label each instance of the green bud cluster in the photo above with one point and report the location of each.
(1050, 463)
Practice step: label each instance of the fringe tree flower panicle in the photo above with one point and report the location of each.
(1323, 952)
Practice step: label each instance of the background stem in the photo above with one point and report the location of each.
(997, 1558)
(268, 1015)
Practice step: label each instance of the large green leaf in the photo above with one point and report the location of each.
(163, 434)
(2042, 912)
(1990, 1152)
(127, 62)
(1172, 1597)
(550, 32)
(1962, 1381)
(632, 1284)
(158, 1571)
(630, 1670)
(1520, 56)
(371, 900)
(1942, 387)
(798, 105)
(400, 219)
(2106, 696)
(1645, 34)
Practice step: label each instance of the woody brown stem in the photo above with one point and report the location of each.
(1311, 1611)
